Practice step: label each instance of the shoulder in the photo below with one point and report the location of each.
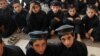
(15, 50)
(80, 45)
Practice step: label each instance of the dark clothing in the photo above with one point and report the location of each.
(8, 23)
(67, 21)
(52, 22)
(76, 23)
(96, 33)
(93, 23)
(37, 21)
(20, 19)
(48, 52)
(13, 51)
(77, 49)
(90, 22)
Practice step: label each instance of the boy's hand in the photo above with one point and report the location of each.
(52, 32)
(57, 19)
(71, 19)
(31, 8)
(90, 31)
(96, 4)
(87, 35)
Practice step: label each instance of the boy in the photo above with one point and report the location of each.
(69, 46)
(39, 45)
(6, 50)
(72, 18)
(36, 18)
(55, 16)
(9, 26)
(19, 15)
(90, 21)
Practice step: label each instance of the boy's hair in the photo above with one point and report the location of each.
(55, 3)
(71, 7)
(92, 7)
(33, 40)
(15, 2)
(35, 2)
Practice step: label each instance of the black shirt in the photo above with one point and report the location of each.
(50, 51)
(77, 49)
(90, 22)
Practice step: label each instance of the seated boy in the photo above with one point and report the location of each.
(39, 46)
(55, 16)
(9, 26)
(73, 18)
(90, 21)
(69, 46)
(19, 15)
(36, 18)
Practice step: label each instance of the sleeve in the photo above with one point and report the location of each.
(83, 50)
(45, 22)
(29, 52)
(95, 23)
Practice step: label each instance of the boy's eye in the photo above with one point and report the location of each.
(36, 45)
(68, 38)
(63, 39)
(0, 4)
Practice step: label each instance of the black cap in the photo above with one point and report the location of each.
(38, 34)
(62, 30)
(55, 3)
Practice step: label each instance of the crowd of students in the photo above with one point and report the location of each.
(38, 45)
(46, 15)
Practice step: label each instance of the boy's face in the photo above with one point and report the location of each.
(39, 46)
(17, 7)
(67, 40)
(55, 9)
(72, 11)
(90, 13)
(62, 0)
(1, 49)
(3, 4)
(36, 8)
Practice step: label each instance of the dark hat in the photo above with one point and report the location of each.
(38, 34)
(62, 30)
(55, 3)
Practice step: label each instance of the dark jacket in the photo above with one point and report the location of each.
(12, 51)
(90, 22)
(8, 23)
(20, 19)
(76, 23)
(37, 21)
(77, 49)
(50, 51)
(52, 22)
